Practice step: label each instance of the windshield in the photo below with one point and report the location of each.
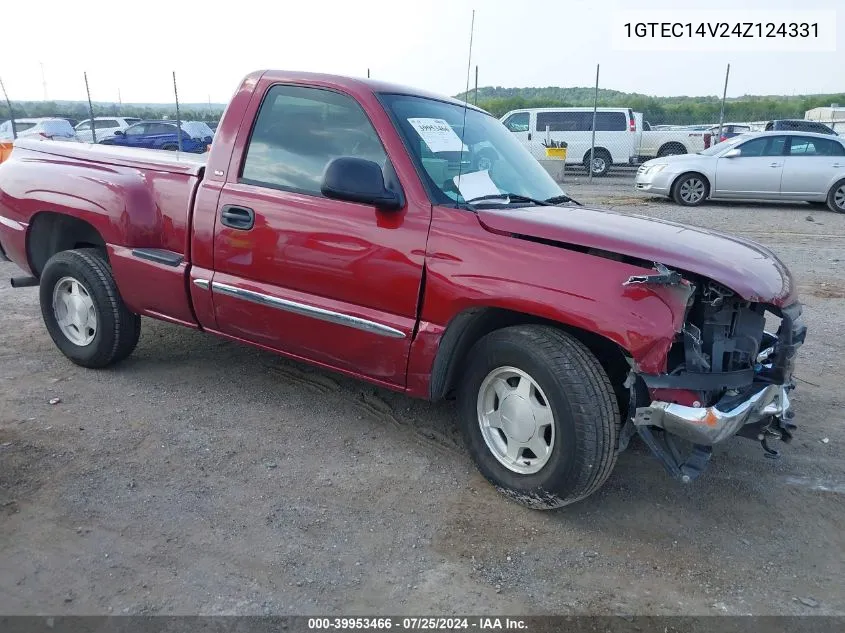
(718, 148)
(492, 162)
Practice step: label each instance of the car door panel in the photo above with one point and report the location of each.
(811, 166)
(752, 176)
(330, 281)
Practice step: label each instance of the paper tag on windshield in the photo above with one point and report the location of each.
(476, 184)
(438, 135)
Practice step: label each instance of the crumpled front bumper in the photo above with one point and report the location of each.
(762, 400)
(711, 425)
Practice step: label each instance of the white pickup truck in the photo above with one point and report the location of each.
(666, 142)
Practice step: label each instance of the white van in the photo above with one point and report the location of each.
(616, 134)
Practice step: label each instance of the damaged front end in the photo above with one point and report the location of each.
(726, 374)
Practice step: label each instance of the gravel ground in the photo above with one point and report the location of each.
(206, 477)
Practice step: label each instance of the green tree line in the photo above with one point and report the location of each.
(656, 110)
(78, 110)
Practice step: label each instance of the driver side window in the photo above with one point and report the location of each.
(135, 130)
(299, 130)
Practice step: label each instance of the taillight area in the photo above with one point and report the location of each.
(707, 139)
(632, 125)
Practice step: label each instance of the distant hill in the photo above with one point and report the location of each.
(657, 110)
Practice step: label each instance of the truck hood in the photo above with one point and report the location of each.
(747, 268)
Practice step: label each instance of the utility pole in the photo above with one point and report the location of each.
(593, 126)
(90, 109)
(476, 85)
(724, 96)
(178, 115)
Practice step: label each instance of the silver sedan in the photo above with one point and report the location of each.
(799, 166)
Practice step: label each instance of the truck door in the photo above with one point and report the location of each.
(330, 281)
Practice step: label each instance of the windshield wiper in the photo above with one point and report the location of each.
(509, 196)
(562, 200)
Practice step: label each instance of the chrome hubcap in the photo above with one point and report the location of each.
(74, 310)
(516, 420)
(599, 165)
(839, 198)
(692, 190)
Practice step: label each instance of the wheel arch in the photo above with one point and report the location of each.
(693, 172)
(596, 150)
(469, 326)
(50, 232)
(673, 144)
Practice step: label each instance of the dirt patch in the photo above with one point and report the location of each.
(201, 476)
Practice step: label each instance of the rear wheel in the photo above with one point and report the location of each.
(836, 197)
(539, 416)
(690, 190)
(83, 310)
(600, 164)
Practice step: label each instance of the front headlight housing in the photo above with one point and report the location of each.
(654, 169)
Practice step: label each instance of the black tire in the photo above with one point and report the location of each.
(702, 189)
(118, 329)
(580, 396)
(836, 197)
(602, 162)
(671, 149)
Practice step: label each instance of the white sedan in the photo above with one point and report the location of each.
(798, 166)
(104, 128)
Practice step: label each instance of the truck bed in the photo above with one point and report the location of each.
(138, 201)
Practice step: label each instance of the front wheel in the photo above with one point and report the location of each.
(690, 190)
(539, 416)
(83, 310)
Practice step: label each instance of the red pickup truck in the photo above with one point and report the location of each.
(409, 240)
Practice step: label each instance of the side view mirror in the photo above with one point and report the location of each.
(118, 132)
(358, 180)
(732, 153)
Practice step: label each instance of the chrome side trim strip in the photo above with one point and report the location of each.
(12, 224)
(309, 311)
(201, 283)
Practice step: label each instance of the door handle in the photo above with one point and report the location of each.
(529, 136)
(236, 217)
(838, 165)
(776, 165)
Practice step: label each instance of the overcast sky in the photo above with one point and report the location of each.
(130, 47)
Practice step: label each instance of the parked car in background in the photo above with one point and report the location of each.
(667, 141)
(800, 166)
(616, 134)
(199, 130)
(104, 128)
(799, 125)
(161, 135)
(45, 128)
(729, 130)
